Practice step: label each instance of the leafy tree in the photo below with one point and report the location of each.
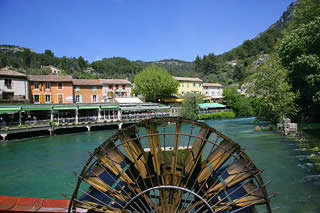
(241, 105)
(270, 85)
(82, 63)
(190, 106)
(307, 11)
(49, 53)
(153, 82)
(300, 53)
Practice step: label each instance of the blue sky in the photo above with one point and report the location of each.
(135, 29)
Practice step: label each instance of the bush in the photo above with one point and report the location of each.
(217, 115)
(52, 124)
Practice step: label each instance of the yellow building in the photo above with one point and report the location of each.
(189, 85)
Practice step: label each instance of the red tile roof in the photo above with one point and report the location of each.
(87, 82)
(188, 79)
(7, 71)
(50, 78)
(115, 81)
(212, 85)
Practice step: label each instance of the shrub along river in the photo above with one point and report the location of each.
(42, 167)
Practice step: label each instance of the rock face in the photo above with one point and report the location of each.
(286, 16)
(12, 48)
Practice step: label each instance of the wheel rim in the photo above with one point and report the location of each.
(170, 165)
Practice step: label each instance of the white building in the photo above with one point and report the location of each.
(115, 88)
(213, 90)
(13, 85)
(54, 70)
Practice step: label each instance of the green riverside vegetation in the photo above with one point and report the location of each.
(217, 115)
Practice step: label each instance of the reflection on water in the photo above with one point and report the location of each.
(42, 167)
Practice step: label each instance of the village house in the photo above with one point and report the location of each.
(54, 70)
(13, 86)
(189, 85)
(87, 90)
(213, 90)
(115, 88)
(51, 89)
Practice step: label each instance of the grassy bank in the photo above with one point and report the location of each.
(217, 115)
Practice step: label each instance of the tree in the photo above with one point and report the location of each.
(49, 53)
(190, 106)
(307, 11)
(82, 63)
(270, 85)
(300, 54)
(241, 105)
(154, 82)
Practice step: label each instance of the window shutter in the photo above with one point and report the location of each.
(42, 98)
(80, 98)
(97, 99)
(32, 86)
(91, 98)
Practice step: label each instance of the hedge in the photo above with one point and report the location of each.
(217, 115)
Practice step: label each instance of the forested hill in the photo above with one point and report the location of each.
(237, 64)
(230, 67)
(28, 61)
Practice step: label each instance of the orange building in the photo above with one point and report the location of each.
(87, 90)
(51, 89)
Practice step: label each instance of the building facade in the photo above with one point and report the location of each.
(50, 89)
(87, 90)
(14, 85)
(54, 70)
(189, 85)
(213, 90)
(115, 88)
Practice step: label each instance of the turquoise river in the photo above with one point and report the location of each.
(42, 167)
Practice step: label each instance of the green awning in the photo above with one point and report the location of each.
(9, 109)
(35, 108)
(211, 105)
(89, 107)
(64, 108)
(109, 106)
(145, 108)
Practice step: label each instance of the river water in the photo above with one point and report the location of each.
(42, 167)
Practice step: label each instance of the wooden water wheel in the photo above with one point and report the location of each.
(170, 165)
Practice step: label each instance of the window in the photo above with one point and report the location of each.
(200, 84)
(94, 98)
(124, 86)
(194, 84)
(36, 99)
(117, 86)
(110, 86)
(77, 88)
(187, 84)
(94, 88)
(36, 85)
(77, 98)
(60, 85)
(182, 84)
(7, 82)
(48, 86)
(48, 98)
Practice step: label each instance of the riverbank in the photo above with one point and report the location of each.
(42, 167)
(309, 143)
